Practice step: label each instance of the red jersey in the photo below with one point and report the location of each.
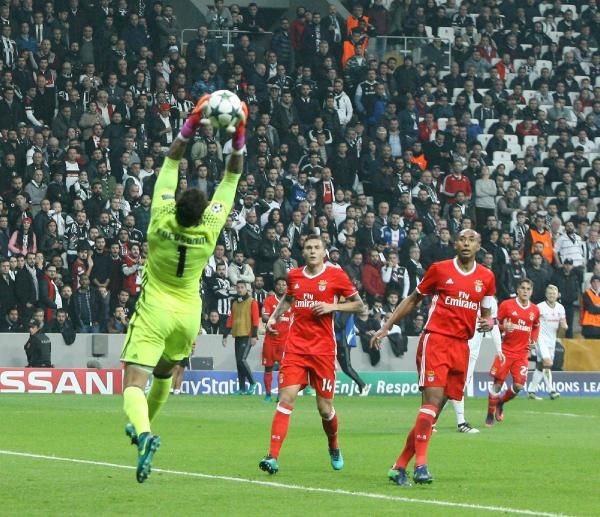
(526, 323)
(453, 184)
(456, 297)
(310, 334)
(132, 282)
(282, 326)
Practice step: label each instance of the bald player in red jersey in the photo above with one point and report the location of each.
(312, 294)
(459, 288)
(520, 323)
(274, 342)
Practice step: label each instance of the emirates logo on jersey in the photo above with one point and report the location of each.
(322, 285)
(478, 286)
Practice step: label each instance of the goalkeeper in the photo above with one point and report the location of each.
(181, 237)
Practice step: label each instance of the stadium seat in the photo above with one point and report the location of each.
(543, 63)
(508, 165)
(566, 216)
(573, 96)
(525, 200)
(519, 63)
(488, 123)
(446, 33)
(513, 140)
(442, 123)
(530, 140)
(543, 170)
(502, 156)
(484, 139)
(569, 7)
(528, 94)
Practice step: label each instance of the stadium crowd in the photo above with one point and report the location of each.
(489, 120)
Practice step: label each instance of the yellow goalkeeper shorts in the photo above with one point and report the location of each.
(160, 332)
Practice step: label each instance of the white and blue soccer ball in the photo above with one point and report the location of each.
(224, 110)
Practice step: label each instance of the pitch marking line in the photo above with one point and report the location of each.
(335, 491)
(554, 413)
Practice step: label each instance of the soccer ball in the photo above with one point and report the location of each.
(224, 110)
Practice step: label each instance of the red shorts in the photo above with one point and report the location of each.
(516, 366)
(443, 361)
(272, 353)
(316, 370)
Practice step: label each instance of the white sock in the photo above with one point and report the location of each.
(535, 381)
(459, 409)
(547, 373)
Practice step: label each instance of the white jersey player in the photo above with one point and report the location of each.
(474, 347)
(552, 318)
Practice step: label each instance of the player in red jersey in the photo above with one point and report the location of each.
(274, 342)
(459, 287)
(309, 358)
(520, 323)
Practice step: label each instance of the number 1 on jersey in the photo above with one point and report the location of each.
(182, 250)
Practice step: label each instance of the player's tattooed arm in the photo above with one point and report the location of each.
(485, 323)
(284, 304)
(405, 307)
(353, 304)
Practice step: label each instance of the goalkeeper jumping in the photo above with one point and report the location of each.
(181, 238)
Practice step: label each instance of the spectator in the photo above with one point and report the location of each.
(26, 285)
(590, 321)
(219, 292)
(570, 246)
(49, 297)
(132, 267)
(540, 276)
(213, 324)
(86, 308)
(118, 322)
(23, 240)
(372, 278)
(61, 325)
(285, 262)
(569, 287)
(240, 271)
(11, 321)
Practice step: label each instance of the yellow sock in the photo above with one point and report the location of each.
(136, 408)
(158, 395)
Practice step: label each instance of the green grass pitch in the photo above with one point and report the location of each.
(543, 460)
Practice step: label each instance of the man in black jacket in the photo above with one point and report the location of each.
(569, 287)
(7, 287)
(26, 285)
(38, 347)
(11, 322)
(62, 325)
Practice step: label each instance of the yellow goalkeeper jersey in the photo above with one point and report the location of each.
(177, 255)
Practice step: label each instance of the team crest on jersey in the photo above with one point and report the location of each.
(478, 286)
(216, 208)
(430, 376)
(531, 316)
(322, 285)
